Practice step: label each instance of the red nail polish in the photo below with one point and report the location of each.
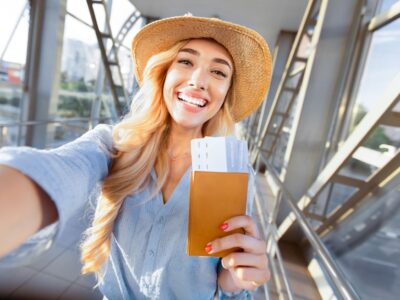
(208, 248)
(224, 226)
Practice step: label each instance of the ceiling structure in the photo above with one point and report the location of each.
(268, 17)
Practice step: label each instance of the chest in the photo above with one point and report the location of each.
(148, 248)
(175, 175)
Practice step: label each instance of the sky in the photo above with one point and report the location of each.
(9, 14)
(382, 65)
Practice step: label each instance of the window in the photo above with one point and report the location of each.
(367, 243)
(14, 24)
(83, 93)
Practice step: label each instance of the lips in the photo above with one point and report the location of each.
(192, 99)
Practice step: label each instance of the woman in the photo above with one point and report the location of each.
(198, 77)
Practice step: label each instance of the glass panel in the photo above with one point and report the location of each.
(367, 248)
(386, 4)
(14, 24)
(79, 71)
(80, 10)
(381, 67)
(121, 10)
(340, 193)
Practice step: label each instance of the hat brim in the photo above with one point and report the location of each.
(249, 51)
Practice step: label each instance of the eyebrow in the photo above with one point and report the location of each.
(195, 52)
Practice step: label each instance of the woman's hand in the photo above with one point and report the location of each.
(242, 270)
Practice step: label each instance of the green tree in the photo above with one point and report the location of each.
(377, 138)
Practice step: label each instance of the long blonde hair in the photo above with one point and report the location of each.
(140, 144)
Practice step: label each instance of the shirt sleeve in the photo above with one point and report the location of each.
(242, 295)
(69, 174)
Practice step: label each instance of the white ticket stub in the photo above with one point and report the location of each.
(219, 154)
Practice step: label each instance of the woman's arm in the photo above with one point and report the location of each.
(24, 209)
(38, 187)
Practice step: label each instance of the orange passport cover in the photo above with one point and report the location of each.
(214, 198)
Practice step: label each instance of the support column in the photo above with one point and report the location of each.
(46, 32)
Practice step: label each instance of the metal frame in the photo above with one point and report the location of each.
(111, 58)
(360, 58)
(252, 134)
(128, 24)
(345, 290)
(13, 31)
(310, 28)
(65, 122)
(383, 19)
(355, 61)
(100, 81)
(271, 239)
(349, 67)
(330, 173)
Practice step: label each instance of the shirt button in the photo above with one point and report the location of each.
(161, 220)
(151, 253)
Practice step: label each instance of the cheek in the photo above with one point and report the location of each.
(222, 91)
(167, 84)
(172, 78)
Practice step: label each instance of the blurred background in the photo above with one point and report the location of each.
(324, 144)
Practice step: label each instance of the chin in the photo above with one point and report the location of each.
(188, 124)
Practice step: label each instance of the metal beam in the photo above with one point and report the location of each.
(346, 180)
(356, 139)
(387, 17)
(340, 283)
(344, 210)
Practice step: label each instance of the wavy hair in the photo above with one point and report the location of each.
(140, 144)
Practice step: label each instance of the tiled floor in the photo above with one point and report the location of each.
(54, 275)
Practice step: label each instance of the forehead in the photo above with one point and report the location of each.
(209, 47)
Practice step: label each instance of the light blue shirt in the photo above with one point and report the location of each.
(148, 246)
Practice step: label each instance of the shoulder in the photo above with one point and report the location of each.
(98, 137)
(102, 132)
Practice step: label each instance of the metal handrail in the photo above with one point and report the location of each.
(278, 254)
(60, 121)
(65, 122)
(272, 250)
(341, 285)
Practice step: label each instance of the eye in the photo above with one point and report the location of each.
(220, 73)
(185, 62)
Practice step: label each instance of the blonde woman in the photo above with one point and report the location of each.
(198, 77)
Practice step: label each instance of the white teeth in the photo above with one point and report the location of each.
(196, 101)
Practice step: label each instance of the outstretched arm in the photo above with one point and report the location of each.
(24, 209)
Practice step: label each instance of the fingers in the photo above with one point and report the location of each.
(245, 222)
(247, 243)
(240, 259)
(248, 269)
(251, 278)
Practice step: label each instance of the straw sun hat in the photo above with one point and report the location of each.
(250, 53)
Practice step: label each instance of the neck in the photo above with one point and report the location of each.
(179, 139)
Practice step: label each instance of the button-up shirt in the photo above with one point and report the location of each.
(148, 244)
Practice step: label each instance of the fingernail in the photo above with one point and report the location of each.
(208, 248)
(224, 226)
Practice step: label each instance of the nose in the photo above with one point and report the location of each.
(199, 79)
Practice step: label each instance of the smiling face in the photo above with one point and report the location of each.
(197, 82)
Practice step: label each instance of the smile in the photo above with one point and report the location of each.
(194, 101)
